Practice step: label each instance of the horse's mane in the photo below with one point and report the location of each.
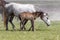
(38, 13)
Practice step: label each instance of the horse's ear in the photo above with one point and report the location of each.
(41, 13)
(2, 2)
(46, 13)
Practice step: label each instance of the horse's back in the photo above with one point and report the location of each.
(20, 8)
(24, 7)
(26, 15)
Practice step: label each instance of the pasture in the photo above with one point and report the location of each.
(42, 32)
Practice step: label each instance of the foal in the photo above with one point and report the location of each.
(32, 16)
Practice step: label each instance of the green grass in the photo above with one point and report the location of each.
(42, 32)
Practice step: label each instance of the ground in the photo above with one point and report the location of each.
(42, 32)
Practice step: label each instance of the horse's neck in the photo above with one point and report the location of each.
(4, 10)
(7, 2)
(3, 7)
(36, 15)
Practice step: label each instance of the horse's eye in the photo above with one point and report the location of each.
(47, 18)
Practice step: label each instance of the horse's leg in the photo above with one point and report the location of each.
(2, 17)
(10, 20)
(20, 22)
(5, 21)
(6, 24)
(32, 25)
(21, 25)
(25, 21)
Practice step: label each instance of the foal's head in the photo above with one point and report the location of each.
(44, 17)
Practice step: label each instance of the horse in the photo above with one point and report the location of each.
(5, 15)
(25, 16)
(16, 9)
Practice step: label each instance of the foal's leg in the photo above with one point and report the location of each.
(32, 25)
(21, 25)
(20, 22)
(24, 23)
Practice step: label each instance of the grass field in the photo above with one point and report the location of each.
(42, 32)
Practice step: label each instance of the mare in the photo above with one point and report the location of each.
(6, 13)
(16, 9)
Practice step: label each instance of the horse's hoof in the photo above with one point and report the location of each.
(14, 28)
(6, 29)
(29, 30)
(21, 30)
(32, 29)
(24, 29)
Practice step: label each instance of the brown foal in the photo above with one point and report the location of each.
(29, 16)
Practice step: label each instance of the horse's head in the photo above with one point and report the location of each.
(45, 18)
(3, 2)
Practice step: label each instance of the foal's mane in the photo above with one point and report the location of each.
(38, 13)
